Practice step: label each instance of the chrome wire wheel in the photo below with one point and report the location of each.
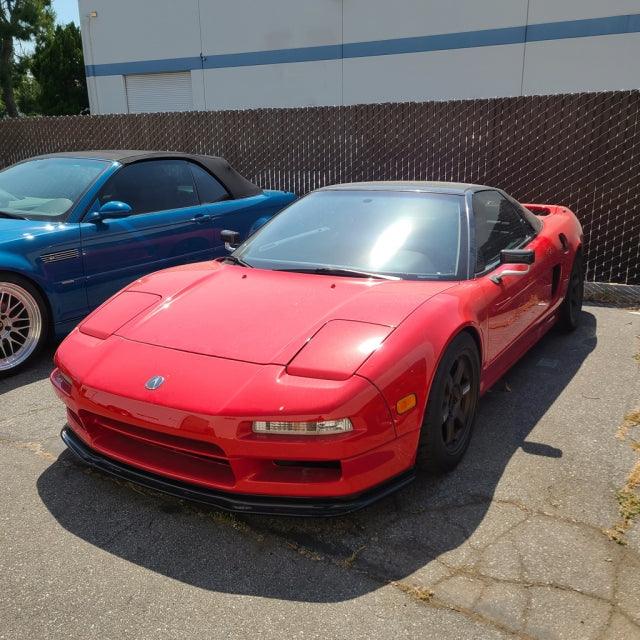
(20, 325)
(458, 404)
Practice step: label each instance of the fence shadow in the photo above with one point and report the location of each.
(259, 556)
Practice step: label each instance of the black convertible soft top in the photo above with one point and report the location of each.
(237, 185)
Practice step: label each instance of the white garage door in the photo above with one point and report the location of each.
(154, 92)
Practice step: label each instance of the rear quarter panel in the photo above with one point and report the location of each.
(558, 220)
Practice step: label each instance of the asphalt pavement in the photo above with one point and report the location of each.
(524, 539)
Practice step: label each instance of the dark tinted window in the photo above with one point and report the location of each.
(154, 185)
(499, 226)
(209, 189)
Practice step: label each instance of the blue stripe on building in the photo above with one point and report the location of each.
(612, 25)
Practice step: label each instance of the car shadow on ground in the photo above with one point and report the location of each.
(394, 538)
(35, 371)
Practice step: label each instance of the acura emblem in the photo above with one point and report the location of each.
(153, 383)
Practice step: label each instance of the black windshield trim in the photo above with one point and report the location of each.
(233, 259)
(339, 271)
(12, 216)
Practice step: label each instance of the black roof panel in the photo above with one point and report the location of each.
(410, 185)
(237, 185)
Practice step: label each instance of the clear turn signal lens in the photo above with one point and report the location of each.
(62, 381)
(322, 428)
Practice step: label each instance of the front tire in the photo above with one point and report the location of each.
(451, 408)
(24, 323)
(571, 308)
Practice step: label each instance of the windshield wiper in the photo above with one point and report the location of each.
(15, 216)
(235, 260)
(341, 271)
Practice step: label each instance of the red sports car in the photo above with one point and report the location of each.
(342, 346)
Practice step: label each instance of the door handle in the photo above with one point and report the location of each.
(497, 278)
(200, 218)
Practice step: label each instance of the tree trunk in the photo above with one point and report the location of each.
(6, 77)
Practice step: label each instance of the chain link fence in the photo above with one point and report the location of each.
(580, 150)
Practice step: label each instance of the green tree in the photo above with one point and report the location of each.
(58, 67)
(25, 88)
(19, 20)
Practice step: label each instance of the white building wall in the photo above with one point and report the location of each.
(110, 95)
(479, 72)
(281, 85)
(274, 53)
(133, 30)
(258, 25)
(555, 10)
(602, 63)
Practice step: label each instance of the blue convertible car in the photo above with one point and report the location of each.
(77, 227)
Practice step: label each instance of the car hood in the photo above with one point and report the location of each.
(13, 229)
(262, 316)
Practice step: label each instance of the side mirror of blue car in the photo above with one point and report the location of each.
(111, 209)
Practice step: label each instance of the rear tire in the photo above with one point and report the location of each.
(451, 408)
(571, 308)
(24, 323)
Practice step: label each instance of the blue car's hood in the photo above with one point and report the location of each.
(11, 229)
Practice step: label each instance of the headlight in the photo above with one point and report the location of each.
(62, 381)
(321, 428)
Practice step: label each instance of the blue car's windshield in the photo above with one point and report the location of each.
(403, 234)
(46, 189)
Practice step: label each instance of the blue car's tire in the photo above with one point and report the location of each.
(24, 323)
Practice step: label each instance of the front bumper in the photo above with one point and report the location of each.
(195, 431)
(235, 502)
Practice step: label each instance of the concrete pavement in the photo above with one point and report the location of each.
(513, 543)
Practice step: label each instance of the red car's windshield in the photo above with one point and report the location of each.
(392, 233)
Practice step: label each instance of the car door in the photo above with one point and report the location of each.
(516, 303)
(244, 215)
(167, 226)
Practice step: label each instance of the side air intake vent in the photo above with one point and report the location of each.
(58, 256)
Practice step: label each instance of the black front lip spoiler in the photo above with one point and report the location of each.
(235, 503)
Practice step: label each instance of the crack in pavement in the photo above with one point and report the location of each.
(35, 447)
(38, 409)
(375, 572)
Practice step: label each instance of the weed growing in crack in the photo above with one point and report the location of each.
(631, 420)
(423, 594)
(348, 562)
(627, 497)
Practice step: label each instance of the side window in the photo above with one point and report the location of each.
(152, 185)
(209, 188)
(498, 226)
